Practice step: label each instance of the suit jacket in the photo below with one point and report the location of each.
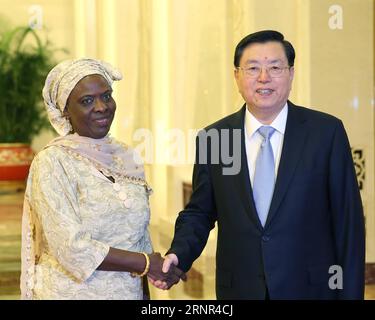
(315, 220)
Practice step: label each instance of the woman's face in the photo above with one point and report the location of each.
(90, 107)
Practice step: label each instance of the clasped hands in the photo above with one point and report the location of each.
(164, 273)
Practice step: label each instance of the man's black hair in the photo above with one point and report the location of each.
(263, 37)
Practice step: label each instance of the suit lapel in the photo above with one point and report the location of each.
(294, 139)
(242, 179)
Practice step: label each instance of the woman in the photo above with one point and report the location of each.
(86, 210)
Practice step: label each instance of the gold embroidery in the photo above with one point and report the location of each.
(116, 175)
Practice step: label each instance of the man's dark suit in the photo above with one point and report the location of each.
(315, 220)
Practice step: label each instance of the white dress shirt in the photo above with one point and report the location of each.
(253, 139)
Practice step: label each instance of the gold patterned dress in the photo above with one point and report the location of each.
(75, 215)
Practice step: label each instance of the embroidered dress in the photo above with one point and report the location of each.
(73, 213)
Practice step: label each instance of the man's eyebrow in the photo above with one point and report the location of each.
(257, 61)
(251, 61)
(275, 61)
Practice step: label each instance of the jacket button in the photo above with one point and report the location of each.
(265, 238)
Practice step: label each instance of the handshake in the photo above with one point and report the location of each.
(163, 272)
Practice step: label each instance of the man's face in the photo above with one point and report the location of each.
(90, 107)
(264, 92)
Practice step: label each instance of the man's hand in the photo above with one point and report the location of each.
(169, 267)
(163, 273)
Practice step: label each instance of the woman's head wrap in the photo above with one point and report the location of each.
(61, 81)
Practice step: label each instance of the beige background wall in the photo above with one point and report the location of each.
(341, 83)
(176, 57)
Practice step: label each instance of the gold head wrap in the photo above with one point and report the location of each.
(61, 81)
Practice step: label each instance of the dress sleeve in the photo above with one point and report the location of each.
(147, 243)
(54, 201)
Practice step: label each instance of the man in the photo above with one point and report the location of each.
(290, 222)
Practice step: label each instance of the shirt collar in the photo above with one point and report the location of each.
(279, 123)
